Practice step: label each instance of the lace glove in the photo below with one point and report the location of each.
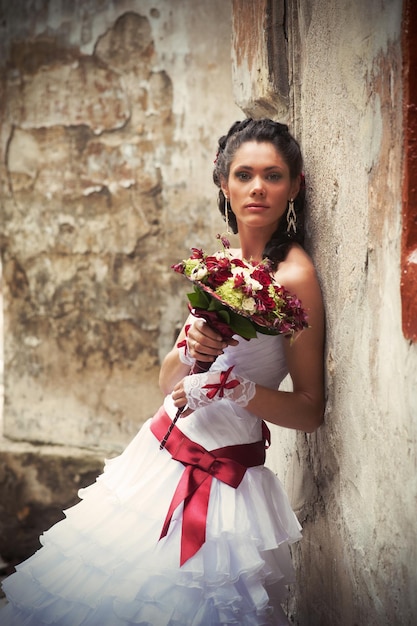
(182, 346)
(202, 389)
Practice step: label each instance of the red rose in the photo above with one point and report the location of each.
(262, 276)
(265, 301)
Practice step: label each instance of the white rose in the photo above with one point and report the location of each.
(255, 284)
(248, 304)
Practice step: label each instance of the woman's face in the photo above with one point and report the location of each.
(259, 186)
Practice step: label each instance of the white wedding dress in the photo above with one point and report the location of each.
(104, 565)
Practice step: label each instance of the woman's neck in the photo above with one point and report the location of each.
(252, 243)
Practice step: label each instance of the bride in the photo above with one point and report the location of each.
(198, 533)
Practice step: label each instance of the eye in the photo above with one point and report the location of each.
(274, 176)
(244, 176)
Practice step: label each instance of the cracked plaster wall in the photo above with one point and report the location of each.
(110, 114)
(353, 483)
(110, 118)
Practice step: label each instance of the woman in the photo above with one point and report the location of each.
(197, 533)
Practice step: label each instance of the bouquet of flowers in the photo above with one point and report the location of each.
(238, 297)
(241, 295)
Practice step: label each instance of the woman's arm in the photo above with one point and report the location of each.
(302, 408)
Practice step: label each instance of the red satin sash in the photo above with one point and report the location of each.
(227, 464)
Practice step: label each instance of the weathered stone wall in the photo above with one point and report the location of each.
(353, 483)
(360, 530)
(110, 114)
(110, 119)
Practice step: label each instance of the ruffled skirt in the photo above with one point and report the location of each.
(104, 564)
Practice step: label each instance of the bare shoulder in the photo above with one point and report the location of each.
(298, 275)
(297, 270)
(305, 355)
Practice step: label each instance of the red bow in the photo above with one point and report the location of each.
(221, 385)
(183, 343)
(227, 464)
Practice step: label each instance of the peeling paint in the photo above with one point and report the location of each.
(101, 169)
(409, 234)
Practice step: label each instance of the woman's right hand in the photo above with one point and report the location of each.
(204, 343)
(199, 343)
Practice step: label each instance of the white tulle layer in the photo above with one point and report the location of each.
(105, 566)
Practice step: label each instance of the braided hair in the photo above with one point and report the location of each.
(263, 130)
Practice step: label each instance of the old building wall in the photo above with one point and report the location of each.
(353, 483)
(363, 461)
(109, 131)
(110, 114)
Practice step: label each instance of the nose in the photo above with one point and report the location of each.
(258, 188)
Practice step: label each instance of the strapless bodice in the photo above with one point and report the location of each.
(224, 423)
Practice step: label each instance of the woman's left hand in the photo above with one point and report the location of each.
(199, 390)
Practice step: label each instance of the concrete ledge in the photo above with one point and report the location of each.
(36, 484)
